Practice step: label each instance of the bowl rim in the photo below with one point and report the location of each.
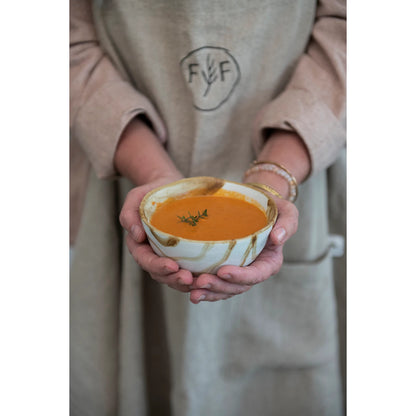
(153, 191)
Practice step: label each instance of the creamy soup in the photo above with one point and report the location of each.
(209, 218)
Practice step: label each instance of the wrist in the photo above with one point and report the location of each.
(141, 157)
(288, 149)
(271, 179)
(282, 164)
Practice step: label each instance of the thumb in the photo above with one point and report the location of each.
(130, 214)
(286, 224)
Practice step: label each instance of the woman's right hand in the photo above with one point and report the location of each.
(161, 269)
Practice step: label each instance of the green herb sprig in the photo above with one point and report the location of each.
(193, 219)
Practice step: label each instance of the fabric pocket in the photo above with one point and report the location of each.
(287, 321)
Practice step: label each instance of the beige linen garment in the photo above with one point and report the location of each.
(211, 77)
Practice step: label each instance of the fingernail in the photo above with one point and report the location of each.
(171, 269)
(202, 297)
(135, 231)
(226, 276)
(280, 234)
(207, 286)
(183, 282)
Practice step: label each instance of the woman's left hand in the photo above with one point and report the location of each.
(234, 280)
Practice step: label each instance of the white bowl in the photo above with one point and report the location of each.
(207, 256)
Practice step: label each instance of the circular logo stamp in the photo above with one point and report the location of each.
(212, 74)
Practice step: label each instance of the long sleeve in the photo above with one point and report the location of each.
(102, 102)
(313, 102)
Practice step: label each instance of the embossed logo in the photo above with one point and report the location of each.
(212, 74)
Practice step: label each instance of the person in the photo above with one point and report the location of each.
(165, 90)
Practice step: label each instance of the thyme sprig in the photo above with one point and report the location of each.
(193, 219)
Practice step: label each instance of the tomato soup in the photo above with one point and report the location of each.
(209, 218)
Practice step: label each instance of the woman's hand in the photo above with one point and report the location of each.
(161, 269)
(288, 149)
(234, 280)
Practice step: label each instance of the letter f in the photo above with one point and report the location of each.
(191, 72)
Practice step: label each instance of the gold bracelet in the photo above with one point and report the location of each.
(266, 188)
(279, 170)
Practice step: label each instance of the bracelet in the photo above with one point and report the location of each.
(266, 188)
(279, 170)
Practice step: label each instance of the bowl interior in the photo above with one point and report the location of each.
(205, 185)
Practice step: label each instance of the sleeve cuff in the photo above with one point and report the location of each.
(102, 119)
(298, 110)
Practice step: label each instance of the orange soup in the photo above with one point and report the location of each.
(209, 218)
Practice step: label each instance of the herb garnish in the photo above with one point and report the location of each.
(193, 219)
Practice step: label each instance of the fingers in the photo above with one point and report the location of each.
(230, 280)
(211, 288)
(147, 259)
(197, 296)
(129, 215)
(176, 280)
(234, 280)
(166, 271)
(286, 224)
(267, 264)
(162, 269)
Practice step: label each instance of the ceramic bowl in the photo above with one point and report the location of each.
(207, 256)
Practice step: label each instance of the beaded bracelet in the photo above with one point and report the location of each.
(279, 170)
(266, 188)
